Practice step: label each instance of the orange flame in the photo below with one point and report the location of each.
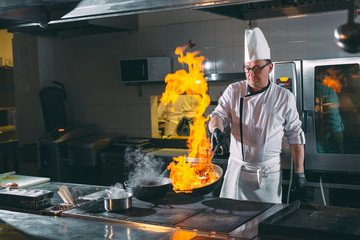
(185, 174)
(334, 84)
(182, 235)
(332, 80)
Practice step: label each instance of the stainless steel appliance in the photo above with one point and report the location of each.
(323, 150)
(327, 93)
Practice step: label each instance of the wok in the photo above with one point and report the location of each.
(151, 188)
(208, 188)
(148, 188)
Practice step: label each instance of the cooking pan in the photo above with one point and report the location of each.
(148, 188)
(118, 201)
(208, 188)
(115, 199)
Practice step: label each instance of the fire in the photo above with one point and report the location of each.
(186, 173)
(332, 80)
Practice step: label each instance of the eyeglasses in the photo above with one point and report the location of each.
(256, 70)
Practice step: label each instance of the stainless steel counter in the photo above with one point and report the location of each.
(176, 215)
(15, 225)
(203, 216)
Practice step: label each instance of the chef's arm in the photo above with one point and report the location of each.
(297, 152)
(215, 122)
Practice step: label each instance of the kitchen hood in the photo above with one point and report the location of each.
(275, 8)
(51, 17)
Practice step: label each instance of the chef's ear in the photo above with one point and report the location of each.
(271, 66)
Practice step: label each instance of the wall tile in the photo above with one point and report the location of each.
(210, 60)
(318, 27)
(277, 31)
(338, 18)
(224, 30)
(298, 50)
(238, 28)
(135, 116)
(224, 60)
(118, 92)
(238, 59)
(137, 132)
(146, 116)
(264, 25)
(133, 94)
(324, 49)
(279, 52)
(120, 113)
(153, 90)
(297, 29)
(203, 34)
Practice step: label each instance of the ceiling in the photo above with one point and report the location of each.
(67, 18)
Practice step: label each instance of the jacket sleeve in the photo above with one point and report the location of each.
(292, 127)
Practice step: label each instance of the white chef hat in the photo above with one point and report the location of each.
(256, 46)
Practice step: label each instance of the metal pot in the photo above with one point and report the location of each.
(148, 188)
(119, 201)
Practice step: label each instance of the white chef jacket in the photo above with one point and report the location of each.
(266, 116)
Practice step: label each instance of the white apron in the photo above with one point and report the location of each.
(256, 182)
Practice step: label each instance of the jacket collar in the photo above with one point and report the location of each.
(252, 92)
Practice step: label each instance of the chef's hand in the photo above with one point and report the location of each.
(217, 139)
(299, 185)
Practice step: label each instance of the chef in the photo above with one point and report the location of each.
(259, 113)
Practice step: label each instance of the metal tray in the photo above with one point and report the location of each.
(25, 198)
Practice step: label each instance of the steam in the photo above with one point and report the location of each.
(117, 186)
(116, 191)
(142, 165)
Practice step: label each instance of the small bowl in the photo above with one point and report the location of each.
(118, 202)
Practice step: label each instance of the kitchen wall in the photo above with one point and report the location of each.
(88, 65)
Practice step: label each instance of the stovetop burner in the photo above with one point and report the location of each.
(180, 210)
(224, 215)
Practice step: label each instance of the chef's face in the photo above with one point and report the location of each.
(258, 80)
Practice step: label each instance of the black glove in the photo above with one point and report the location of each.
(217, 139)
(299, 183)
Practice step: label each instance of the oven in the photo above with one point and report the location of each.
(327, 94)
(331, 107)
